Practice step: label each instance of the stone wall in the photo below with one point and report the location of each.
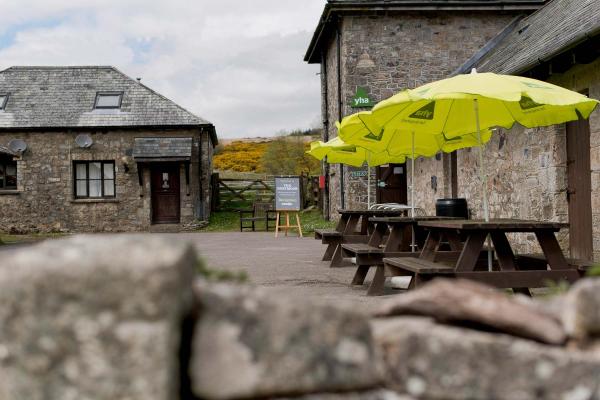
(578, 79)
(407, 49)
(127, 317)
(527, 169)
(44, 200)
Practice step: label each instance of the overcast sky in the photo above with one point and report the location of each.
(237, 63)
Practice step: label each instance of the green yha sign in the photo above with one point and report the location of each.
(361, 99)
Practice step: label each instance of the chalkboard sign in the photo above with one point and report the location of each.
(287, 194)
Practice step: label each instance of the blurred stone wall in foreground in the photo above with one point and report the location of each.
(126, 317)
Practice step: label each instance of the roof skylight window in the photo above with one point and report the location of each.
(3, 101)
(108, 100)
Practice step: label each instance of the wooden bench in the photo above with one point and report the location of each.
(368, 256)
(327, 234)
(419, 269)
(538, 261)
(261, 211)
(422, 271)
(333, 238)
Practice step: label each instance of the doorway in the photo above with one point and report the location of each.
(579, 189)
(391, 184)
(164, 185)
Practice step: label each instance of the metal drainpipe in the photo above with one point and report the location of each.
(340, 112)
(201, 212)
(324, 94)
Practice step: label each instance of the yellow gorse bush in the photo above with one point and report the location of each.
(280, 156)
(240, 157)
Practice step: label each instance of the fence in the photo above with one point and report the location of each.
(239, 193)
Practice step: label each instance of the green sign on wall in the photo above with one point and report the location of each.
(361, 99)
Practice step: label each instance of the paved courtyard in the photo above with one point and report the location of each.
(286, 266)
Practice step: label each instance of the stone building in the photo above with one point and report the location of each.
(90, 149)
(381, 47)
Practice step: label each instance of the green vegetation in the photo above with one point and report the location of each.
(29, 238)
(287, 156)
(239, 156)
(223, 221)
(219, 275)
(229, 221)
(284, 155)
(593, 272)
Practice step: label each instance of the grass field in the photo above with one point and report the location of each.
(29, 238)
(229, 221)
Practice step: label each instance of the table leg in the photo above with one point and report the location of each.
(506, 257)
(337, 260)
(470, 253)
(552, 250)
(341, 225)
(350, 228)
(377, 236)
(399, 239)
(364, 225)
(378, 283)
(431, 245)
(360, 275)
(329, 252)
(454, 240)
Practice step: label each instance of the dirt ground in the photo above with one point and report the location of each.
(286, 266)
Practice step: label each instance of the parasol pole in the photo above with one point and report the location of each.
(412, 178)
(412, 190)
(368, 187)
(368, 180)
(483, 177)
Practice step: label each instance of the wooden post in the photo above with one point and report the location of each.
(287, 225)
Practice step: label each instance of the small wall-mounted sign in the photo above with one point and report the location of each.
(357, 172)
(361, 99)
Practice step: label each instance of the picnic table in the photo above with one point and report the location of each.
(509, 270)
(352, 227)
(391, 237)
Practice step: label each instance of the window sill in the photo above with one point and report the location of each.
(84, 201)
(8, 192)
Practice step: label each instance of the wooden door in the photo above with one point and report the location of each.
(391, 184)
(164, 183)
(579, 189)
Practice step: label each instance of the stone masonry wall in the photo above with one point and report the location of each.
(331, 117)
(527, 169)
(408, 49)
(580, 78)
(44, 200)
(109, 317)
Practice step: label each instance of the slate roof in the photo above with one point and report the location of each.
(63, 97)
(338, 7)
(7, 151)
(162, 148)
(558, 26)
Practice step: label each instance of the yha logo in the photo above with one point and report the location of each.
(362, 101)
(425, 112)
(375, 137)
(527, 103)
